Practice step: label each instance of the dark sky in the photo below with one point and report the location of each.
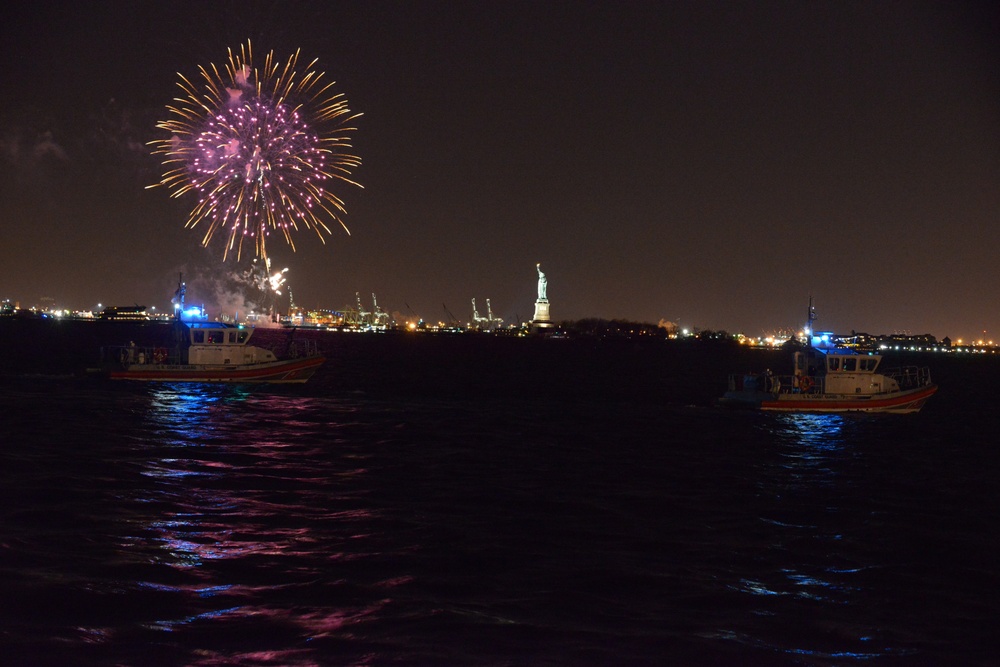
(711, 164)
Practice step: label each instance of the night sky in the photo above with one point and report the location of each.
(709, 164)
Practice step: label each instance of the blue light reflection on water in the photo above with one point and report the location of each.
(811, 444)
(246, 490)
(189, 413)
(807, 467)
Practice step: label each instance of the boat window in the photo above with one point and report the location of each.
(215, 337)
(869, 364)
(198, 336)
(833, 363)
(232, 336)
(243, 336)
(850, 364)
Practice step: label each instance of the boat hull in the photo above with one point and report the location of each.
(292, 371)
(900, 402)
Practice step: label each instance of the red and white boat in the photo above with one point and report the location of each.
(833, 380)
(213, 352)
(827, 378)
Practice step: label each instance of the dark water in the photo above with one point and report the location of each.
(432, 520)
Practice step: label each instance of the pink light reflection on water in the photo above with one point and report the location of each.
(256, 520)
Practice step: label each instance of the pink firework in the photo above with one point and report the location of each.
(259, 147)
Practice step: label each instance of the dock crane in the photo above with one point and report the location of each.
(495, 322)
(362, 313)
(476, 317)
(380, 318)
(489, 322)
(453, 320)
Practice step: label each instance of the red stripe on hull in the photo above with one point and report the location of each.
(296, 371)
(905, 402)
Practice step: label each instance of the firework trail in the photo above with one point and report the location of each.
(260, 276)
(258, 147)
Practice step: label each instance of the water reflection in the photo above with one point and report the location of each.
(821, 432)
(810, 448)
(257, 512)
(188, 413)
(806, 560)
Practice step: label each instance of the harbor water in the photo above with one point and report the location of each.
(441, 504)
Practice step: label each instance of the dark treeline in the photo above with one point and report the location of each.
(604, 328)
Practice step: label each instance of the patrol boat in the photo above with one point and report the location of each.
(833, 380)
(828, 378)
(210, 352)
(213, 352)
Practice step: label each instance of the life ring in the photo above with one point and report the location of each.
(805, 383)
(159, 355)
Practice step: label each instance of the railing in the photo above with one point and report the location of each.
(139, 354)
(776, 384)
(910, 377)
(292, 349)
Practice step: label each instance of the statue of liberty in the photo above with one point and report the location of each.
(542, 317)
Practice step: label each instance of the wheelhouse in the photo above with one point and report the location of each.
(217, 333)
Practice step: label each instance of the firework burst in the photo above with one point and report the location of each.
(259, 148)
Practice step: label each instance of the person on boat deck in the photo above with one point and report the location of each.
(762, 382)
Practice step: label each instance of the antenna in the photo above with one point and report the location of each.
(178, 299)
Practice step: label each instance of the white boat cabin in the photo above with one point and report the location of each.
(223, 343)
(842, 372)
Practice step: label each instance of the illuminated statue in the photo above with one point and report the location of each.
(542, 319)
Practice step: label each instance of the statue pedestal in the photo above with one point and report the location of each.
(541, 320)
(541, 311)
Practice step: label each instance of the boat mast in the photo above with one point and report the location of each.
(178, 299)
(810, 318)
